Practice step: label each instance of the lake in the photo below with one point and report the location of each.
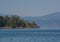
(29, 35)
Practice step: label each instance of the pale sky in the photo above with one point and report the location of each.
(29, 7)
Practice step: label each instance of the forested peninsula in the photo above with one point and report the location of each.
(15, 22)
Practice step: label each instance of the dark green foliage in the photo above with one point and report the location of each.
(14, 22)
(2, 22)
(7, 20)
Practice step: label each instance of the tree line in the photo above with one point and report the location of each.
(15, 22)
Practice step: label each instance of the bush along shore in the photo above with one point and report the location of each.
(13, 22)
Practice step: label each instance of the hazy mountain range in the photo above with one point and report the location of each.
(50, 20)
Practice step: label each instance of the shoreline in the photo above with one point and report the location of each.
(16, 28)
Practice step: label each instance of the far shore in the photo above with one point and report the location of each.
(15, 28)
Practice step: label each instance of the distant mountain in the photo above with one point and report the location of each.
(52, 16)
(50, 20)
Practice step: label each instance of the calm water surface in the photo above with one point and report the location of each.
(29, 35)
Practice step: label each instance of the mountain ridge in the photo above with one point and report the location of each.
(50, 20)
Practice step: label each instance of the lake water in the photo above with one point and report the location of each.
(29, 35)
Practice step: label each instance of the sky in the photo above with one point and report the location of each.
(29, 7)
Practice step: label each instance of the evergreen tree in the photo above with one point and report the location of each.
(2, 23)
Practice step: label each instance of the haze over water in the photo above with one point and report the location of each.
(32, 8)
